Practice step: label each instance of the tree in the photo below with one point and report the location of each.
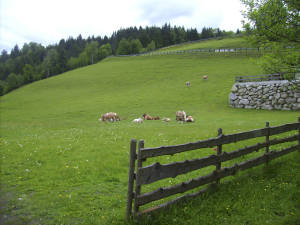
(83, 59)
(2, 88)
(4, 56)
(72, 63)
(275, 23)
(135, 46)
(12, 82)
(50, 62)
(15, 52)
(28, 73)
(274, 20)
(123, 47)
(91, 50)
(207, 32)
(105, 50)
(151, 46)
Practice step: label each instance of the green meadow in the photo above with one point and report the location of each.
(236, 42)
(60, 165)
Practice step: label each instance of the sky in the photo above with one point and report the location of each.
(48, 21)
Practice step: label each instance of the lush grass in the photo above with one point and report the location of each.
(237, 42)
(60, 165)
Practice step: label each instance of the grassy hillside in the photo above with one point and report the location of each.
(60, 165)
(237, 42)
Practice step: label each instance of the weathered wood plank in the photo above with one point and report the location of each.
(174, 149)
(276, 141)
(284, 128)
(209, 143)
(171, 202)
(132, 158)
(157, 171)
(185, 186)
(212, 142)
(179, 188)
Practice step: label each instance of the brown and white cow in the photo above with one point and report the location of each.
(147, 117)
(189, 119)
(166, 119)
(110, 116)
(181, 116)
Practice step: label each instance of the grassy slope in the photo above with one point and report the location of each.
(237, 42)
(59, 164)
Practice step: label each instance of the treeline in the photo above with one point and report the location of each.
(35, 62)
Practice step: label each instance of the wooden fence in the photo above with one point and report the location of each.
(214, 51)
(208, 52)
(149, 174)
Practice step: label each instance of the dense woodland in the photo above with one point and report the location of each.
(34, 62)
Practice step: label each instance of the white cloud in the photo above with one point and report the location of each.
(48, 21)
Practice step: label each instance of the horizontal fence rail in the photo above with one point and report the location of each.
(149, 174)
(214, 51)
(209, 51)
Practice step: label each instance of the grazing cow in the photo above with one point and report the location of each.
(110, 116)
(147, 117)
(205, 77)
(189, 119)
(188, 84)
(180, 116)
(139, 120)
(166, 119)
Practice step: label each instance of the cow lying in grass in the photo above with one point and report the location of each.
(139, 120)
(181, 116)
(189, 119)
(166, 119)
(110, 117)
(148, 117)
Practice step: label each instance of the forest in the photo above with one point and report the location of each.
(34, 62)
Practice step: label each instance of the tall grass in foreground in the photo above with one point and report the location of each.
(60, 165)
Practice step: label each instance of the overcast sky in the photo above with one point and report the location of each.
(48, 21)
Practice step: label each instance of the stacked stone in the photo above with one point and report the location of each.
(281, 95)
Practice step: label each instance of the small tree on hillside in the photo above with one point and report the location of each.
(28, 73)
(136, 46)
(105, 50)
(91, 50)
(123, 47)
(151, 46)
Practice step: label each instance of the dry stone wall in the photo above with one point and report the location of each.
(281, 95)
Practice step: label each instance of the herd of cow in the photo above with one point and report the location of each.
(180, 116)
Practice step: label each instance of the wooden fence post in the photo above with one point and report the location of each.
(267, 139)
(299, 134)
(139, 165)
(131, 177)
(219, 152)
